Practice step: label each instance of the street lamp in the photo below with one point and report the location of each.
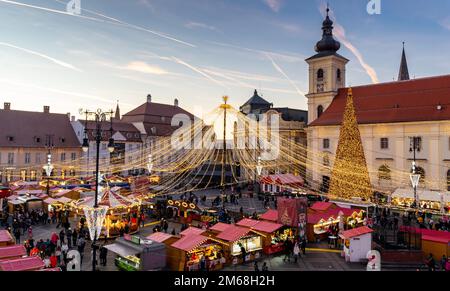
(150, 164)
(259, 167)
(414, 177)
(99, 118)
(49, 167)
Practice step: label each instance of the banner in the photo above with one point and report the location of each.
(292, 212)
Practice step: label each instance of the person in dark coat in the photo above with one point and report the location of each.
(103, 255)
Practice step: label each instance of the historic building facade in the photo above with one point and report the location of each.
(390, 116)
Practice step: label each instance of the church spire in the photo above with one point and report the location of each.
(327, 45)
(117, 113)
(403, 73)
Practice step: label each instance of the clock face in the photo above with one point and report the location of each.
(320, 87)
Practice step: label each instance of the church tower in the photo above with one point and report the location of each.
(326, 72)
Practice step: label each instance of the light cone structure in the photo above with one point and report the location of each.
(350, 177)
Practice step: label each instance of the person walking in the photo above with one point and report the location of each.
(69, 235)
(74, 237)
(287, 250)
(430, 263)
(103, 255)
(256, 267)
(303, 246)
(296, 251)
(265, 268)
(17, 235)
(443, 262)
(62, 235)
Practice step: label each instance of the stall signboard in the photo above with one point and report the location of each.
(292, 211)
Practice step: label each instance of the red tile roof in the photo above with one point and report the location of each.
(23, 264)
(271, 215)
(356, 232)
(12, 251)
(220, 226)
(402, 101)
(159, 237)
(189, 242)
(5, 236)
(321, 206)
(233, 233)
(192, 230)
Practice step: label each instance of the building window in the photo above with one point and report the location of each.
(418, 142)
(338, 75)
(73, 156)
(326, 143)
(384, 173)
(38, 158)
(27, 158)
(10, 158)
(63, 157)
(384, 143)
(319, 111)
(320, 75)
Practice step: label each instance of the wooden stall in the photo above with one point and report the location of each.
(22, 264)
(270, 232)
(12, 252)
(6, 238)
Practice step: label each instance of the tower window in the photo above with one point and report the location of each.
(338, 75)
(319, 111)
(320, 75)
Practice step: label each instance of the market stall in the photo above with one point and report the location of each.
(280, 182)
(357, 243)
(432, 241)
(57, 204)
(162, 237)
(122, 214)
(12, 252)
(26, 202)
(270, 215)
(186, 211)
(22, 264)
(68, 193)
(187, 253)
(6, 238)
(432, 200)
(236, 238)
(136, 254)
(273, 235)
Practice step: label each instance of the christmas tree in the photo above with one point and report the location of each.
(350, 177)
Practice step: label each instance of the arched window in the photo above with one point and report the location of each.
(319, 111)
(338, 75)
(384, 173)
(320, 75)
(448, 180)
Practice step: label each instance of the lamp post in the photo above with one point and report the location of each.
(49, 167)
(99, 117)
(414, 177)
(225, 107)
(259, 169)
(150, 164)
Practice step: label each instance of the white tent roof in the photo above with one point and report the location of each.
(423, 195)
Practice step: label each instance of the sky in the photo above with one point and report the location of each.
(199, 50)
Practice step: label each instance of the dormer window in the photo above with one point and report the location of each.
(37, 139)
(10, 138)
(153, 130)
(63, 140)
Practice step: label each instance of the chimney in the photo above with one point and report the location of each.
(68, 115)
(175, 102)
(149, 98)
(72, 118)
(46, 109)
(7, 106)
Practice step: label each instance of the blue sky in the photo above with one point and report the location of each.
(199, 50)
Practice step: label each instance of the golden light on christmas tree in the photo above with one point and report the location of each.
(350, 177)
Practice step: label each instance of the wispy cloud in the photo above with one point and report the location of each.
(143, 67)
(339, 32)
(288, 27)
(278, 68)
(198, 70)
(193, 25)
(41, 55)
(275, 5)
(445, 23)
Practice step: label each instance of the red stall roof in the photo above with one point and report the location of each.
(23, 264)
(220, 226)
(428, 234)
(321, 206)
(356, 232)
(192, 230)
(271, 215)
(189, 242)
(5, 236)
(159, 237)
(12, 251)
(233, 233)
(316, 217)
(259, 225)
(247, 222)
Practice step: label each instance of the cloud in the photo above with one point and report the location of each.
(275, 5)
(146, 3)
(339, 32)
(278, 68)
(193, 25)
(291, 28)
(143, 67)
(445, 23)
(207, 76)
(53, 60)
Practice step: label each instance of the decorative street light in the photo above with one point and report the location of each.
(99, 118)
(150, 164)
(49, 167)
(414, 177)
(259, 167)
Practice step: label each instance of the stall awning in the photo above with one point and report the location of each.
(220, 226)
(122, 250)
(159, 237)
(271, 215)
(355, 232)
(23, 264)
(233, 233)
(189, 242)
(192, 230)
(426, 195)
(12, 251)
